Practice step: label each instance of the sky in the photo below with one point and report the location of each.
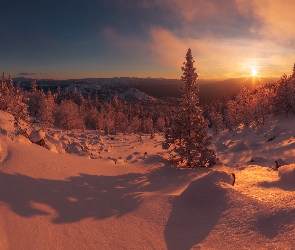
(66, 39)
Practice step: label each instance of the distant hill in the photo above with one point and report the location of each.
(209, 89)
(134, 89)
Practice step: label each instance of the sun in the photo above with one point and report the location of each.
(254, 72)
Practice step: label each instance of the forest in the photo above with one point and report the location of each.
(72, 110)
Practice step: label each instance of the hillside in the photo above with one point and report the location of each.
(88, 190)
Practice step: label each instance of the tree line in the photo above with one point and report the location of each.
(71, 110)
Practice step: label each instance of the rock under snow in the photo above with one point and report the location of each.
(240, 146)
(74, 148)
(36, 136)
(280, 162)
(287, 172)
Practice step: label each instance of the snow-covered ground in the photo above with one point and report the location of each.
(86, 190)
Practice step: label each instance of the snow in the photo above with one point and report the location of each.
(36, 136)
(88, 190)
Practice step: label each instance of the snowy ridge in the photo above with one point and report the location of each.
(106, 88)
(107, 91)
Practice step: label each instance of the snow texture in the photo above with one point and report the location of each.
(94, 191)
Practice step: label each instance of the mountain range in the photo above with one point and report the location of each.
(149, 89)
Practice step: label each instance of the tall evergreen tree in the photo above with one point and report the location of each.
(188, 134)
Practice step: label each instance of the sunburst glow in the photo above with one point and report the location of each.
(254, 72)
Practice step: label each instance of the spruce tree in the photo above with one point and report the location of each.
(188, 134)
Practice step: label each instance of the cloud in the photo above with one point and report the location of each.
(220, 57)
(227, 37)
(276, 18)
(26, 74)
(189, 10)
(217, 17)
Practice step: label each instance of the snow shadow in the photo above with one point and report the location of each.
(272, 224)
(155, 158)
(79, 197)
(282, 184)
(286, 181)
(196, 211)
(73, 199)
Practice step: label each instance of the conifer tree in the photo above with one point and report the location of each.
(33, 86)
(284, 97)
(47, 106)
(68, 115)
(33, 100)
(3, 82)
(10, 83)
(188, 134)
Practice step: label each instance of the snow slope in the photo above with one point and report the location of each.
(92, 191)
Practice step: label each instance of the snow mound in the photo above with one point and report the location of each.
(23, 139)
(36, 136)
(197, 210)
(6, 124)
(3, 152)
(255, 145)
(50, 146)
(240, 146)
(221, 147)
(74, 148)
(280, 162)
(204, 186)
(287, 173)
(286, 182)
(258, 160)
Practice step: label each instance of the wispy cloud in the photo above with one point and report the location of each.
(26, 74)
(227, 37)
(221, 57)
(276, 18)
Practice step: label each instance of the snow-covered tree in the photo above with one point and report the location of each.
(135, 124)
(160, 124)
(262, 100)
(121, 122)
(96, 100)
(92, 118)
(67, 94)
(216, 120)
(147, 125)
(230, 115)
(12, 99)
(68, 115)
(3, 81)
(10, 83)
(33, 86)
(47, 106)
(188, 134)
(33, 100)
(293, 73)
(245, 109)
(284, 101)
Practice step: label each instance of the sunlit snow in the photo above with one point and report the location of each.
(88, 190)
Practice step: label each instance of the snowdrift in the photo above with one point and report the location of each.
(86, 190)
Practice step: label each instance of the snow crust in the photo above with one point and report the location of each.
(87, 190)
